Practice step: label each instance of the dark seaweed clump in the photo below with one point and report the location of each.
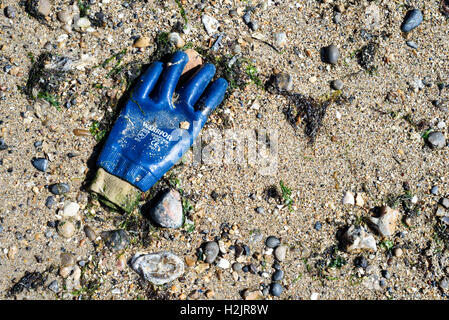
(31, 280)
(366, 56)
(47, 74)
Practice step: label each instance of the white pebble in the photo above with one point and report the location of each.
(348, 198)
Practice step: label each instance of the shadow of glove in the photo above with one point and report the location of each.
(158, 125)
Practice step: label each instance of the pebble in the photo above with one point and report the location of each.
(278, 275)
(67, 259)
(412, 44)
(331, 54)
(280, 253)
(40, 164)
(66, 229)
(141, 42)
(357, 238)
(276, 289)
(59, 188)
(10, 12)
(211, 250)
(115, 239)
(223, 263)
(348, 198)
(260, 210)
(434, 190)
(71, 210)
(158, 268)
(195, 60)
(280, 39)
(54, 286)
(210, 24)
(82, 24)
(276, 266)
(436, 140)
(65, 16)
(317, 226)
(412, 19)
(90, 233)
(272, 242)
(176, 39)
(445, 202)
(283, 82)
(397, 252)
(337, 84)
(50, 201)
(167, 211)
(237, 267)
(337, 17)
(385, 224)
(361, 262)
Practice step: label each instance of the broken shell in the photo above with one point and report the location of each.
(358, 239)
(158, 268)
(385, 224)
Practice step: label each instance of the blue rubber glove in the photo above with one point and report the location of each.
(158, 125)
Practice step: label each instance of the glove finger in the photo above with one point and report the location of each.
(171, 76)
(196, 85)
(148, 81)
(211, 98)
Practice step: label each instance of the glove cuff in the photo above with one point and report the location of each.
(114, 162)
(115, 191)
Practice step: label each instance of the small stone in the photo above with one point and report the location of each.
(276, 289)
(280, 253)
(210, 24)
(50, 201)
(190, 262)
(397, 252)
(185, 125)
(66, 229)
(337, 17)
(278, 275)
(176, 39)
(348, 198)
(434, 190)
(412, 19)
(361, 262)
(317, 226)
(211, 250)
(90, 233)
(252, 295)
(10, 12)
(210, 293)
(40, 164)
(71, 210)
(272, 242)
(408, 222)
(195, 60)
(54, 286)
(167, 211)
(331, 54)
(445, 202)
(237, 267)
(67, 259)
(82, 24)
(385, 224)
(359, 201)
(358, 239)
(12, 252)
(260, 210)
(337, 84)
(158, 268)
(115, 239)
(436, 140)
(280, 39)
(412, 44)
(223, 263)
(141, 42)
(65, 16)
(283, 82)
(59, 188)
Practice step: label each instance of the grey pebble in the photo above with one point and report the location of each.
(272, 242)
(412, 44)
(90, 233)
(276, 289)
(54, 286)
(237, 267)
(167, 211)
(331, 54)
(337, 17)
(278, 275)
(445, 202)
(10, 12)
(412, 19)
(337, 84)
(59, 188)
(115, 239)
(436, 140)
(50, 201)
(434, 190)
(260, 210)
(211, 250)
(280, 252)
(40, 164)
(283, 82)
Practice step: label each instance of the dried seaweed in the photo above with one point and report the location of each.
(31, 280)
(366, 56)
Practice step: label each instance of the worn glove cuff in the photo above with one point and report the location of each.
(115, 191)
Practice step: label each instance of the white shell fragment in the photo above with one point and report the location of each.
(385, 224)
(358, 239)
(158, 268)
